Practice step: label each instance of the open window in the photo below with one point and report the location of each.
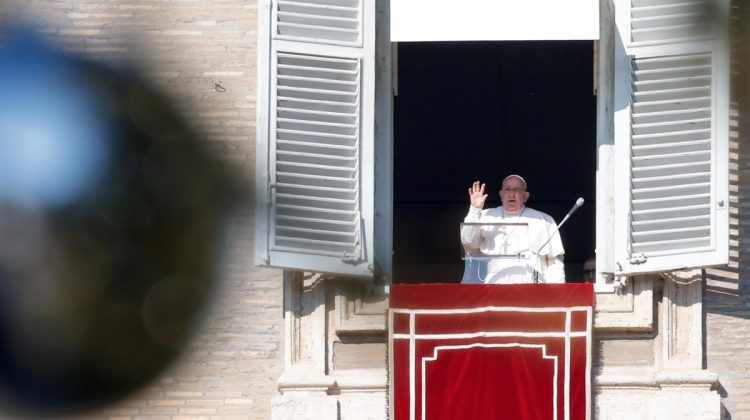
(326, 171)
(469, 111)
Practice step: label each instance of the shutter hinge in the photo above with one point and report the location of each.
(351, 257)
(620, 283)
(638, 258)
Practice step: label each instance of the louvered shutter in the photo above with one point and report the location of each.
(671, 136)
(315, 136)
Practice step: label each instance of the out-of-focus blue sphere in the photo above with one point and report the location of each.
(109, 213)
(53, 139)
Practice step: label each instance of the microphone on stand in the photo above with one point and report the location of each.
(573, 209)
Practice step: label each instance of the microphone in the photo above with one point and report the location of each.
(573, 209)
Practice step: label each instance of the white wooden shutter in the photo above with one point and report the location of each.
(671, 136)
(314, 169)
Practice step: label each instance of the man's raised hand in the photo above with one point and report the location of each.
(477, 195)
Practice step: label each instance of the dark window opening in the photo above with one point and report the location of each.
(470, 111)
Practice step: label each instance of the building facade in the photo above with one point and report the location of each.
(307, 338)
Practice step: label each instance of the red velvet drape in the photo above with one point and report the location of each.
(491, 351)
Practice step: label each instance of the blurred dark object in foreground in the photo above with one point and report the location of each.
(109, 220)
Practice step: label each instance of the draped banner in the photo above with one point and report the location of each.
(490, 351)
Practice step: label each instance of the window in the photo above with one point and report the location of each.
(483, 110)
(324, 183)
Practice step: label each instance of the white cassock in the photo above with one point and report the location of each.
(487, 241)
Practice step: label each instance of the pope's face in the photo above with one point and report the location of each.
(513, 194)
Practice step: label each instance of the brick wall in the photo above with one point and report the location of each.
(187, 47)
(727, 297)
(727, 301)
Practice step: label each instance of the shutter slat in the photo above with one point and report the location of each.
(337, 22)
(677, 33)
(332, 138)
(323, 118)
(703, 143)
(317, 114)
(668, 126)
(320, 125)
(669, 22)
(308, 19)
(348, 193)
(671, 191)
(691, 210)
(682, 167)
(319, 94)
(701, 220)
(299, 67)
(314, 212)
(315, 102)
(675, 155)
(670, 8)
(666, 22)
(676, 104)
(673, 82)
(653, 68)
(341, 224)
(309, 146)
(343, 85)
(319, 204)
(666, 5)
(672, 61)
(317, 32)
(671, 245)
(332, 249)
(308, 170)
(674, 178)
(322, 6)
(316, 61)
(314, 179)
(311, 244)
(670, 93)
(670, 234)
(303, 157)
(672, 112)
(300, 232)
(671, 115)
(685, 199)
(304, 70)
(706, 132)
(299, 198)
(335, 110)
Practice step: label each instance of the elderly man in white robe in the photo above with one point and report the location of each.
(538, 247)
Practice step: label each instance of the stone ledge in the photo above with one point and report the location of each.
(657, 379)
(291, 382)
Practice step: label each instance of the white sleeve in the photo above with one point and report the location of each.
(471, 236)
(553, 270)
